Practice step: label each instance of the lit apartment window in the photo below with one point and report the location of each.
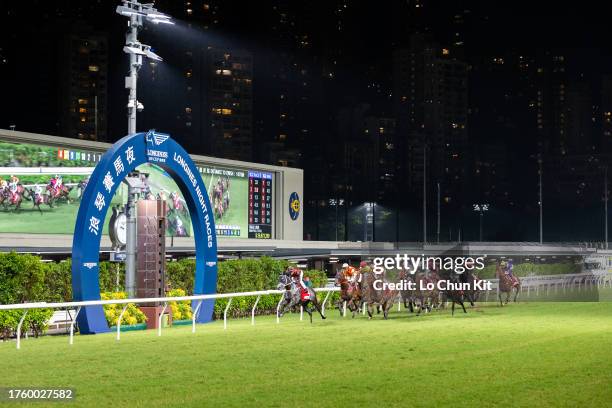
(82, 101)
(82, 110)
(187, 110)
(94, 68)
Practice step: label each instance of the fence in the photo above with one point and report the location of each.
(165, 300)
(528, 284)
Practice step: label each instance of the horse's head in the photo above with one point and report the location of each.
(284, 281)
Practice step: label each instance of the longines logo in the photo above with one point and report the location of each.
(210, 263)
(157, 138)
(90, 265)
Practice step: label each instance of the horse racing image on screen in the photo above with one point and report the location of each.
(41, 186)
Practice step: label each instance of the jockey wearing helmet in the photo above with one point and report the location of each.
(13, 183)
(3, 184)
(350, 273)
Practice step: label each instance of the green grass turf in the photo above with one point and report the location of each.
(530, 354)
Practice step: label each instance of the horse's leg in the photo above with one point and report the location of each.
(518, 289)
(370, 309)
(501, 304)
(463, 306)
(315, 302)
(453, 308)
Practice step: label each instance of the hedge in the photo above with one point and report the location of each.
(25, 278)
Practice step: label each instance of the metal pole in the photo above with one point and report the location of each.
(541, 202)
(131, 243)
(606, 204)
(96, 116)
(481, 213)
(438, 232)
(336, 218)
(135, 63)
(424, 194)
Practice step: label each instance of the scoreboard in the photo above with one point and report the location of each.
(260, 205)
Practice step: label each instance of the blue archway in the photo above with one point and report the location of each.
(122, 158)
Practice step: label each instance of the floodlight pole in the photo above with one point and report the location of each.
(131, 81)
(135, 11)
(135, 63)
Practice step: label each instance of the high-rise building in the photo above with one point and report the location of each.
(84, 79)
(228, 108)
(431, 106)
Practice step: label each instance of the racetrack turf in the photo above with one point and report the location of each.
(527, 354)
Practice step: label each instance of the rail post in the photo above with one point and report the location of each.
(324, 301)
(194, 316)
(344, 309)
(301, 313)
(119, 321)
(253, 311)
(19, 329)
(225, 314)
(159, 319)
(72, 325)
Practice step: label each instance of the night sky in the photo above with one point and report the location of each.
(348, 56)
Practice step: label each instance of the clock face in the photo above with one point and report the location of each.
(120, 227)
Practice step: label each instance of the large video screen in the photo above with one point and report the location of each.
(41, 187)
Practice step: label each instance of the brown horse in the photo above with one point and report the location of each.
(506, 285)
(349, 293)
(381, 296)
(61, 192)
(426, 298)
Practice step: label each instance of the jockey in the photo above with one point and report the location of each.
(298, 277)
(13, 183)
(363, 268)
(508, 271)
(3, 183)
(58, 181)
(38, 190)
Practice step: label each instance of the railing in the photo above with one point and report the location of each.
(528, 284)
(80, 304)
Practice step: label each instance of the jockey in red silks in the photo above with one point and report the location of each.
(298, 277)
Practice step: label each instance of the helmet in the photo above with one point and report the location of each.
(345, 265)
(363, 264)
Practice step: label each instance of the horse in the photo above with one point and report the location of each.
(426, 298)
(39, 199)
(81, 186)
(349, 293)
(455, 296)
(292, 297)
(383, 296)
(59, 192)
(12, 197)
(506, 285)
(472, 294)
(406, 294)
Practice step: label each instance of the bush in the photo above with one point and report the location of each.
(180, 310)
(22, 279)
(132, 314)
